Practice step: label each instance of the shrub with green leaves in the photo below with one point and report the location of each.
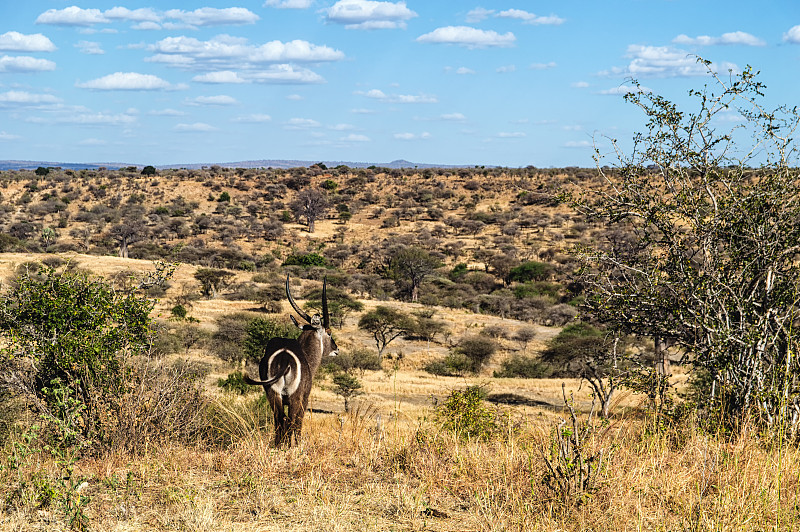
(531, 271)
(306, 260)
(234, 382)
(466, 414)
(523, 367)
(346, 386)
(259, 331)
(65, 338)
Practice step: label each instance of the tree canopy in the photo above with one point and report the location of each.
(705, 243)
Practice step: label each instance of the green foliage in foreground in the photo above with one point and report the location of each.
(65, 338)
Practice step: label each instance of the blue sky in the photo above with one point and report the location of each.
(509, 83)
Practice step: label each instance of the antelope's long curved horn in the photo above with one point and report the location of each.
(326, 318)
(295, 306)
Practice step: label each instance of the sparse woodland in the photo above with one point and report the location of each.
(492, 373)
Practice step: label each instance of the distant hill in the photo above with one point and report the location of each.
(260, 163)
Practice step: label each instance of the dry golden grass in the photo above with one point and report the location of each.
(348, 474)
(388, 465)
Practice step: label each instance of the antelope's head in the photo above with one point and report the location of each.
(319, 326)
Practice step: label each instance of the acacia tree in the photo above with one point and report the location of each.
(705, 246)
(585, 352)
(310, 204)
(386, 324)
(412, 265)
(126, 234)
(213, 280)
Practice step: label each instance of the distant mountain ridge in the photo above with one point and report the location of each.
(260, 163)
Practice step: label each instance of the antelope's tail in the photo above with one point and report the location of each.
(268, 382)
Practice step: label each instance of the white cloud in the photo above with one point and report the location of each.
(126, 81)
(96, 119)
(369, 14)
(4, 136)
(288, 4)
(26, 98)
(412, 136)
(460, 70)
(468, 36)
(13, 41)
(543, 66)
(664, 62)
(147, 26)
(624, 89)
(302, 123)
(89, 47)
(196, 127)
(530, 18)
(148, 18)
(581, 144)
(732, 38)
(167, 112)
(295, 97)
(453, 117)
(378, 94)
(579, 84)
(224, 52)
(511, 135)
(24, 63)
(793, 35)
(142, 15)
(221, 99)
(224, 76)
(210, 16)
(72, 16)
(506, 69)
(285, 74)
(353, 137)
(253, 119)
(478, 14)
(93, 142)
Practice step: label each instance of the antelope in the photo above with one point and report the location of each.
(288, 367)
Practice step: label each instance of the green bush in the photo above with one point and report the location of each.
(453, 365)
(65, 339)
(466, 414)
(359, 358)
(478, 349)
(234, 382)
(258, 331)
(530, 271)
(537, 288)
(523, 367)
(306, 260)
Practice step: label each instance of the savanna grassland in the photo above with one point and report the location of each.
(434, 439)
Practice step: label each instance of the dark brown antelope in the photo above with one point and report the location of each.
(288, 367)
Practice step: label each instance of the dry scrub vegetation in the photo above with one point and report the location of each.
(417, 450)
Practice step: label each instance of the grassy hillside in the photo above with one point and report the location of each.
(395, 461)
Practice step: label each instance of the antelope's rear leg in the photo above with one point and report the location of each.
(279, 417)
(297, 410)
